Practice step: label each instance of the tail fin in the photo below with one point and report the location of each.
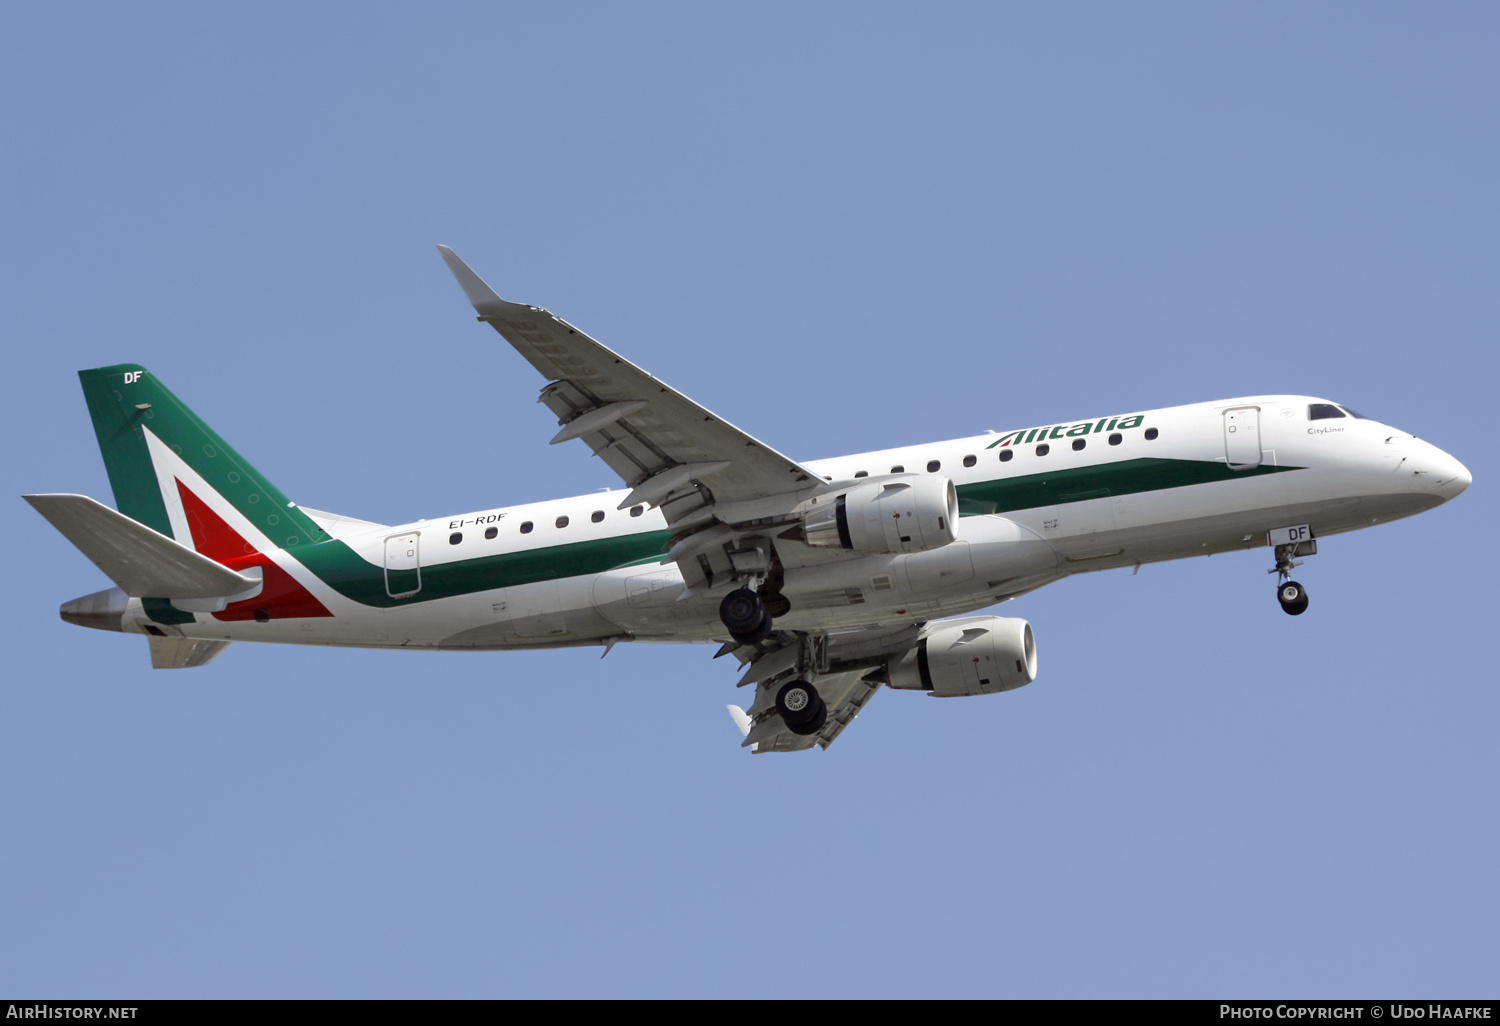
(171, 472)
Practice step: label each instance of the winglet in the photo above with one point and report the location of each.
(480, 295)
(740, 719)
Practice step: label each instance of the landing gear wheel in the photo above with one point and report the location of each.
(797, 702)
(761, 633)
(777, 604)
(802, 709)
(813, 725)
(745, 615)
(1293, 598)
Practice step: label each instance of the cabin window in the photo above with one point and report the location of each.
(636, 511)
(969, 461)
(898, 469)
(1324, 411)
(1116, 438)
(526, 527)
(1043, 449)
(490, 532)
(1151, 434)
(1006, 455)
(1079, 443)
(933, 466)
(861, 473)
(597, 516)
(455, 537)
(562, 522)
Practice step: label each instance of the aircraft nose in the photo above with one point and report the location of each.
(1447, 475)
(1455, 478)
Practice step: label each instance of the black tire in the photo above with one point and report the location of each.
(1293, 598)
(777, 604)
(742, 611)
(813, 725)
(797, 702)
(761, 633)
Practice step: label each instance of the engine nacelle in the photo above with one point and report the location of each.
(913, 513)
(977, 655)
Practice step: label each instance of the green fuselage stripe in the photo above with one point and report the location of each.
(1078, 484)
(342, 569)
(162, 611)
(338, 566)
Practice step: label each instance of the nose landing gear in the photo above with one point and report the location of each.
(1293, 598)
(1291, 595)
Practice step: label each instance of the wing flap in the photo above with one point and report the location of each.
(851, 659)
(858, 694)
(845, 695)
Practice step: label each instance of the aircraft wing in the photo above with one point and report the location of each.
(669, 451)
(845, 693)
(843, 666)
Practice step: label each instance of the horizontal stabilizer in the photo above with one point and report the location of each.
(182, 653)
(143, 562)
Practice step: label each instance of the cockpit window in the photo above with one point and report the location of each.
(1324, 411)
(1355, 414)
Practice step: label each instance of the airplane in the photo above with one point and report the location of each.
(826, 580)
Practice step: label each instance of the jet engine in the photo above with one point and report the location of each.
(977, 655)
(913, 513)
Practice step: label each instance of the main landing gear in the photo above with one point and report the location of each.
(746, 616)
(749, 614)
(802, 709)
(749, 611)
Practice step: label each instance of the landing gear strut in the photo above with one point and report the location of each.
(1291, 595)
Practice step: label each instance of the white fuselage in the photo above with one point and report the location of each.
(1210, 480)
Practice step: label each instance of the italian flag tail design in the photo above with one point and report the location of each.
(171, 472)
(150, 440)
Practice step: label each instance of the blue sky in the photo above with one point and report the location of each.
(842, 227)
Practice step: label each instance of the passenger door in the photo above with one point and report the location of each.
(403, 566)
(1242, 437)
